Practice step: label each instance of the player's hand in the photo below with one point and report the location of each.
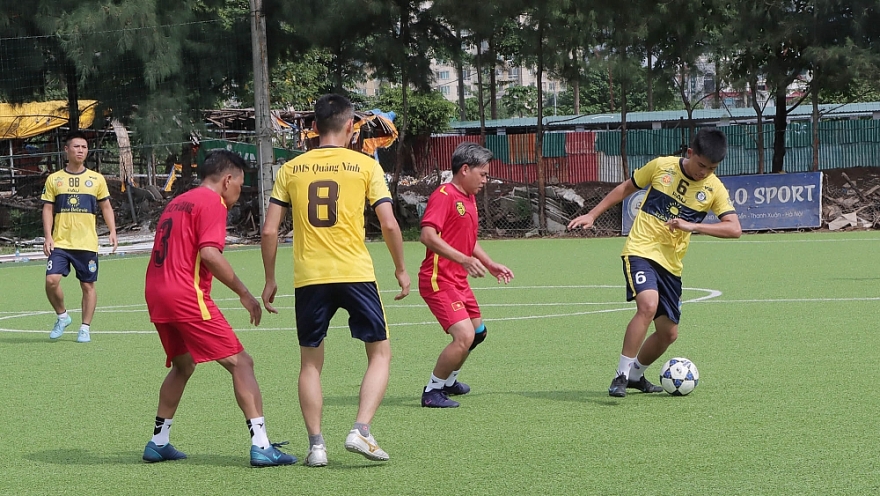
(681, 225)
(268, 296)
(502, 273)
(403, 281)
(474, 267)
(253, 307)
(586, 221)
(113, 241)
(48, 246)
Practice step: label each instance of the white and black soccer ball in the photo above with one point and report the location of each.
(679, 376)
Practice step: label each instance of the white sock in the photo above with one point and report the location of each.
(85, 327)
(452, 378)
(637, 370)
(257, 427)
(624, 365)
(435, 383)
(63, 315)
(161, 431)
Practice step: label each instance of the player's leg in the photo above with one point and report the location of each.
(89, 303)
(314, 307)
(250, 401)
(665, 333)
(57, 266)
(366, 320)
(452, 386)
(311, 396)
(159, 448)
(449, 307)
(86, 265)
(641, 286)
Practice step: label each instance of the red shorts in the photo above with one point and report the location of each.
(205, 340)
(451, 306)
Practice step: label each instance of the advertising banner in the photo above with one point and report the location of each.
(763, 202)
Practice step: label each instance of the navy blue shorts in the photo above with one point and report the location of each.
(317, 304)
(643, 274)
(84, 262)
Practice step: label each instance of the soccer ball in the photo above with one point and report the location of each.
(679, 376)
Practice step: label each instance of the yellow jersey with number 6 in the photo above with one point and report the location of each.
(327, 189)
(671, 194)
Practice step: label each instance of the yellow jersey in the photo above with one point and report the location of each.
(671, 194)
(75, 199)
(326, 190)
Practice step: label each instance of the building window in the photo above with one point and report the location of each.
(553, 86)
(444, 75)
(444, 90)
(466, 74)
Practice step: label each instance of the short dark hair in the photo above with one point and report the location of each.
(711, 143)
(74, 135)
(470, 153)
(332, 111)
(220, 162)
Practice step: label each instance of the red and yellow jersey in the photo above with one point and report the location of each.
(178, 285)
(454, 215)
(326, 190)
(671, 194)
(75, 199)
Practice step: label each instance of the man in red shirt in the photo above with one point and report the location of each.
(449, 231)
(187, 255)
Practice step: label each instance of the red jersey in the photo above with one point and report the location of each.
(454, 215)
(178, 285)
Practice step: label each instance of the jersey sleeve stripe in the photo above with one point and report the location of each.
(211, 244)
(633, 179)
(726, 213)
(381, 201)
(276, 201)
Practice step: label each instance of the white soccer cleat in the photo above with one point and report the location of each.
(317, 456)
(356, 443)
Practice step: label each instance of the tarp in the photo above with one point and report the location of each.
(36, 118)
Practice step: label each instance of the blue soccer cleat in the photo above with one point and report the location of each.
(437, 398)
(60, 325)
(154, 453)
(271, 456)
(457, 389)
(83, 336)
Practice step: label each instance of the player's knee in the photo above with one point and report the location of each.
(479, 336)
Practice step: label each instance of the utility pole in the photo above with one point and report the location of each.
(265, 152)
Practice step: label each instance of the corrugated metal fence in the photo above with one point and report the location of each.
(590, 156)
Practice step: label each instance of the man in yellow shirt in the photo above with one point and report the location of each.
(326, 190)
(681, 191)
(71, 199)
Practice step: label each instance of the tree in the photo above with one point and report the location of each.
(521, 101)
(429, 113)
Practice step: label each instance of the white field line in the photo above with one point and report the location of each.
(710, 297)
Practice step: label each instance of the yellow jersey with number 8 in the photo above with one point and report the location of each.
(327, 190)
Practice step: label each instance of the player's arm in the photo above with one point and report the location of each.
(48, 215)
(110, 220)
(269, 249)
(729, 226)
(431, 239)
(219, 266)
(394, 242)
(615, 196)
(502, 273)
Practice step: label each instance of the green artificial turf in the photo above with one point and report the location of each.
(783, 334)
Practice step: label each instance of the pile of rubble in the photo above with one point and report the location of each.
(851, 198)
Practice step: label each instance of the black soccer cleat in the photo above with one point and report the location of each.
(618, 387)
(644, 386)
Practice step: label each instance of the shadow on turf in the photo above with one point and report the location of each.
(599, 397)
(12, 338)
(83, 457)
